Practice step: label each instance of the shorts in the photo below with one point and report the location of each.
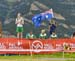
(19, 29)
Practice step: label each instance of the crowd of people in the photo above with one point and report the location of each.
(52, 27)
(20, 22)
(42, 35)
(30, 35)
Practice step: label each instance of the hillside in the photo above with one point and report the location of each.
(64, 11)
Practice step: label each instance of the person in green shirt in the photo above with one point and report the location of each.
(30, 35)
(43, 35)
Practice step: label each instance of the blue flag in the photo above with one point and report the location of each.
(37, 19)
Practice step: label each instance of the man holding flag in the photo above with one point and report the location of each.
(47, 15)
(52, 26)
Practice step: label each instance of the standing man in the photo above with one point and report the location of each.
(19, 22)
(52, 27)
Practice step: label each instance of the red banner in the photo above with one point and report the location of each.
(35, 46)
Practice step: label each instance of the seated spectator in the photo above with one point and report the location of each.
(53, 35)
(73, 35)
(30, 35)
(42, 34)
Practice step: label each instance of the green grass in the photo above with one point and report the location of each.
(39, 57)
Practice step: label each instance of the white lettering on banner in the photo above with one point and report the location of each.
(10, 46)
(2, 46)
(19, 43)
(48, 46)
(14, 46)
(72, 45)
(59, 46)
(37, 46)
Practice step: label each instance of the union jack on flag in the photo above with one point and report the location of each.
(48, 14)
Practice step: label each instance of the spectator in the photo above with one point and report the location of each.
(73, 35)
(53, 35)
(43, 35)
(30, 35)
(66, 46)
(19, 22)
(52, 26)
(0, 29)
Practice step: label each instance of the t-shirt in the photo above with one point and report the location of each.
(19, 22)
(28, 36)
(42, 35)
(53, 36)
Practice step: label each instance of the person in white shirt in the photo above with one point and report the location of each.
(53, 35)
(43, 35)
(19, 22)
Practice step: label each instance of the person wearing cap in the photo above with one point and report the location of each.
(43, 34)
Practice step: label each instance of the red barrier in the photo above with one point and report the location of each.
(34, 46)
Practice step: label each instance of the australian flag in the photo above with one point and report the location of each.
(47, 15)
(37, 19)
